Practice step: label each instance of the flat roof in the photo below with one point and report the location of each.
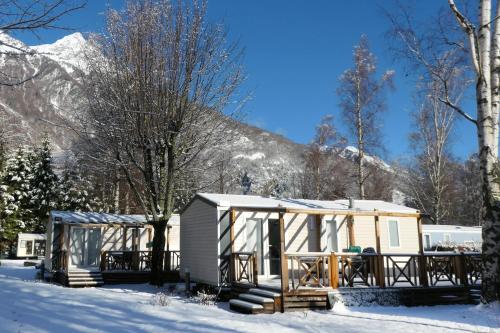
(67, 217)
(32, 236)
(450, 227)
(255, 201)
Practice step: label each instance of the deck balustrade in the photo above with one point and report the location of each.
(137, 261)
(333, 270)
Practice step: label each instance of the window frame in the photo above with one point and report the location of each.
(389, 233)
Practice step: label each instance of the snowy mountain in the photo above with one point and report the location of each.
(352, 153)
(54, 94)
(51, 95)
(67, 51)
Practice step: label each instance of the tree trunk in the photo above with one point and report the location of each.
(158, 252)
(488, 154)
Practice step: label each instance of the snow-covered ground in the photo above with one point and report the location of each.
(30, 306)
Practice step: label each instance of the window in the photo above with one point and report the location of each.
(427, 242)
(393, 234)
(29, 247)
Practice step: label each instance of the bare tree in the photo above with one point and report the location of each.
(361, 101)
(483, 50)
(431, 173)
(159, 81)
(320, 157)
(29, 16)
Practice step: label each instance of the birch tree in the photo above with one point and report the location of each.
(361, 101)
(159, 85)
(431, 172)
(480, 41)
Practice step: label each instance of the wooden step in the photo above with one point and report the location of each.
(241, 306)
(85, 283)
(256, 299)
(264, 293)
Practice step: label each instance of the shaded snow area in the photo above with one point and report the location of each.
(30, 306)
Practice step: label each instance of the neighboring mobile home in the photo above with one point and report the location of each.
(30, 245)
(446, 236)
(310, 226)
(92, 248)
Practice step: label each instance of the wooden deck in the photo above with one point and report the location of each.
(115, 267)
(310, 280)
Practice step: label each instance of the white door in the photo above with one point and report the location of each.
(85, 244)
(332, 239)
(262, 237)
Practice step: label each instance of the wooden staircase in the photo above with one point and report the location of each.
(78, 279)
(256, 300)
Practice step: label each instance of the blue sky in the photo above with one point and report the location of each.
(295, 52)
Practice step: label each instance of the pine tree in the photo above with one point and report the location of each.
(43, 189)
(74, 191)
(15, 215)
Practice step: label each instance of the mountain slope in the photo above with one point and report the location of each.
(54, 95)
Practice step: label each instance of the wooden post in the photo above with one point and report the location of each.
(255, 269)
(350, 229)
(462, 269)
(377, 235)
(422, 260)
(283, 261)
(334, 271)
(67, 251)
(124, 238)
(150, 234)
(103, 261)
(378, 262)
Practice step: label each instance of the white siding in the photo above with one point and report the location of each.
(198, 242)
(174, 238)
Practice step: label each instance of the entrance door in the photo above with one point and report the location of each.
(84, 247)
(274, 247)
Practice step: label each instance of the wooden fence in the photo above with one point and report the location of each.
(313, 270)
(137, 261)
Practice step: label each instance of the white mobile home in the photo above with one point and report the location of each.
(101, 245)
(215, 226)
(450, 236)
(30, 245)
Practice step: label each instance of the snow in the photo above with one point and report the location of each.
(252, 157)
(351, 152)
(67, 50)
(30, 306)
(256, 201)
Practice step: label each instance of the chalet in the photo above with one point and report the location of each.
(441, 236)
(278, 254)
(30, 245)
(85, 249)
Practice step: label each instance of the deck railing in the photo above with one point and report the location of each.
(137, 261)
(243, 267)
(319, 270)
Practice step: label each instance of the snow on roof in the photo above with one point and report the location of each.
(448, 228)
(102, 218)
(254, 201)
(24, 235)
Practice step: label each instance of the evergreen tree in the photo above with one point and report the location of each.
(43, 189)
(15, 215)
(75, 191)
